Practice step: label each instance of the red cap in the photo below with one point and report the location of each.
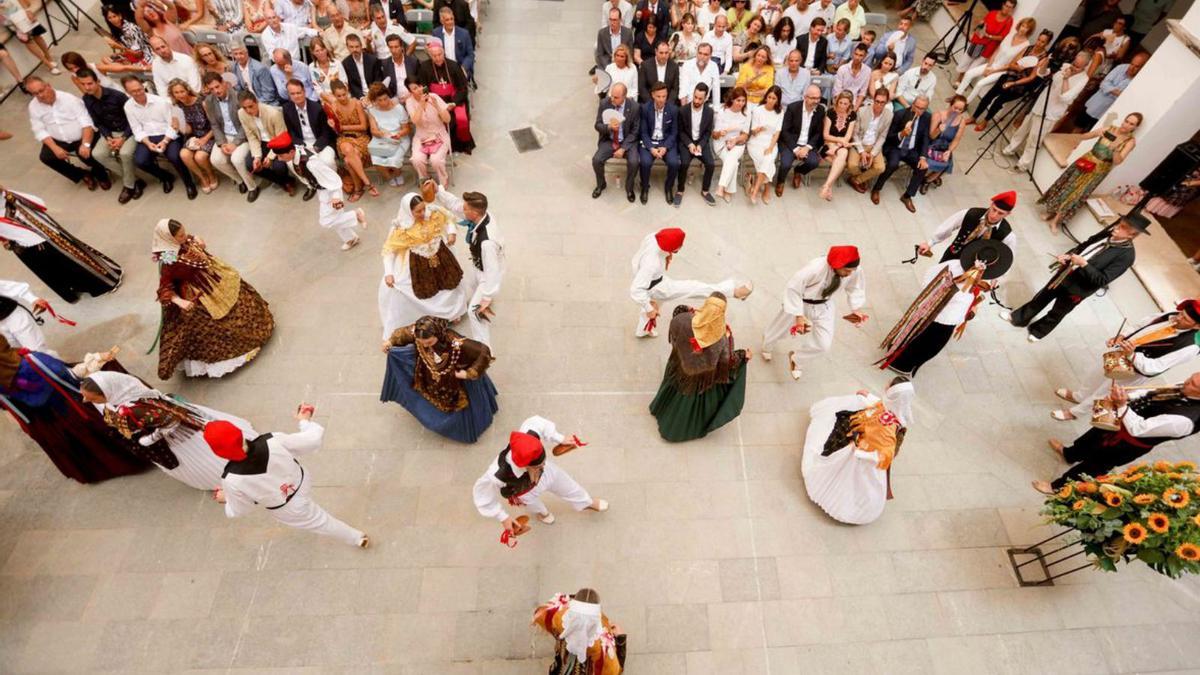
(1191, 307)
(670, 239)
(525, 449)
(1006, 201)
(225, 439)
(842, 256)
(281, 142)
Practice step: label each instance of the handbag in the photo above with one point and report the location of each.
(430, 146)
(1085, 165)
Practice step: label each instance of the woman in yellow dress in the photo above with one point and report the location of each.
(586, 643)
(757, 75)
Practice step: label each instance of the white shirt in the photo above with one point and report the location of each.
(228, 110)
(649, 263)
(705, 18)
(816, 275)
(898, 44)
(362, 73)
(1060, 100)
(64, 120)
(870, 124)
(912, 84)
(152, 119)
(17, 290)
(690, 76)
(803, 20)
(379, 39)
(283, 476)
(625, 8)
(806, 116)
(657, 134)
(722, 48)
(697, 121)
(181, 66)
(1153, 367)
(448, 45)
(247, 76)
(491, 251)
(486, 492)
(627, 76)
(287, 39)
(306, 131)
(1137, 426)
(955, 311)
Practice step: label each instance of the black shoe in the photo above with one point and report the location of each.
(309, 193)
(630, 196)
(191, 191)
(139, 186)
(645, 195)
(597, 192)
(242, 189)
(252, 195)
(671, 198)
(168, 185)
(125, 196)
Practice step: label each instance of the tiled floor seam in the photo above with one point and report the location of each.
(762, 619)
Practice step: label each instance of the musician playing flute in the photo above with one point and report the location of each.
(1093, 264)
(1160, 342)
(1145, 418)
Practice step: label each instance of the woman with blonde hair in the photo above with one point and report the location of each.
(839, 122)
(622, 70)
(757, 75)
(209, 60)
(984, 75)
(198, 139)
(1081, 178)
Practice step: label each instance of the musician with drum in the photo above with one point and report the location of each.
(1129, 424)
(1158, 344)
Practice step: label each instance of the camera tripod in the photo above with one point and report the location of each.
(943, 51)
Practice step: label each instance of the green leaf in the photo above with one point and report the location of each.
(1150, 556)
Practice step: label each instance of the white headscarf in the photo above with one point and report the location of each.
(581, 627)
(404, 216)
(898, 398)
(163, 241)
(121, 389)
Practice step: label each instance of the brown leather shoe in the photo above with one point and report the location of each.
(908, 203)
(796, 178)
(874, 196)
(779, 190)
(858, 187)
(90, 183)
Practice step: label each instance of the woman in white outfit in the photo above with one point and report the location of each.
(849, 448)
(985, 75)
(765, 122)
(420, 275)
(730, 133)
(149, 416)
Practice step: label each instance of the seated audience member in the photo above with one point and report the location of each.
(686, 40)
(746, 43)
(916, 81)
(336, 33)
(899, 42)
(622, 6)
(261, 123)
(618, 138)
(1025, 73)
(652, 12)
(170, 65)
(381, 28)
(907, 141)
(841, 47)
(209, 60)
(230, 149)
(391, 134)
(814, 48)
(610, 37)
(659, 69)
(308, 125)
(695, 134)
(73, 62)
(852, 11)
(763, 147)
(254, 13)
(226, 15)
(757, 75)
(884, 77)
(131, 47)
(197, 135)
(114, 138)
(866, 160)
(623, 71)
(1110, 88)
(431, 141)
(150, 118)
(659, 139)
(285, 69)
(854, 76)
(792, 80)
(644, 44)
(731, 131)
(462, 15)
(447, 79)
(739, 16)
(721, 41)
(358, 14)
(280, 34)
(61, 123)
(354, 135)
(706, 16)
(840, 124)
(253, 76)
(945, 131)
(361, 68)
(801, 138)
(456, 42)
(157, 23)
(700, 70)
(397, 69)
(781, 42)
(297, 12)
(325, 70)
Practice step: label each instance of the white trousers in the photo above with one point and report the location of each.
(234, 165)
(669, 290)
(1097, 389)
(328, 156)
(1027, 135)
(22, 331)
(966, 63)
(730, 158)
(560, 484)
(482, 330)
(303, 513)
(983, 83)
(813, 343)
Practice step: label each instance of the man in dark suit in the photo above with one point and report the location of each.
(652, 11)
(814, 48)
(662, 68)
(463, 47)
(1093, 264)
(362, 68)
(617, 139)
(659, 140)
(609, 37)
(306, 122)
(462, 15)
(907, 139)
(398, 68)
(801, 138)
(695, 140)
(394, 11)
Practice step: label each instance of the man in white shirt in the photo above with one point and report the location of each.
(1065, 87)
(381, 28)
(61, 123)
(172, 66)
(802, 13)
(297, 13)
(150, 120)
(721, 41)
(622, 6)
(793, 80)
(335, 35)
(18, 326)
(486, 248)
(916, 81)
(285, 36)
(697, 70)
(854, 76)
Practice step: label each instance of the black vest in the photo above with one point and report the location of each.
(513, 484)
(970, 221)
(257, 455)
(475, 240)
(1160, 348)
(7, 306)
(1184, 407)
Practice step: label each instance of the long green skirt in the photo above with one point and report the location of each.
(684, 417)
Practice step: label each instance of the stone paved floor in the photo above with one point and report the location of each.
(712, 557)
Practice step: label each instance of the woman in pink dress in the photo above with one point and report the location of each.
(431, 139)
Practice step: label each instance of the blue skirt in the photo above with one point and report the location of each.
(465, 426)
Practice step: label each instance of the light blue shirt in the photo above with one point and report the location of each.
(1106, 95)
(839, 50)
(289, 13)
(793, 89)
(300, 72)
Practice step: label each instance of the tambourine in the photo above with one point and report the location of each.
(1104, 415)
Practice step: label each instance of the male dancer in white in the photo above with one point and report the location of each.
(332, 213)
(486, 247)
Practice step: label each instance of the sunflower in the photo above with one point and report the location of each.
(1113, 499)
(1196, 519)
(1185, 466)
(1189, 552)
(1176, 498)
(1104, 480)
(1159, 522)
(1144, 499)
(1064, 492)
(1162, 466)
(1135, 533)
(1134, 477)
(1086, 488)
(1136, 468)
(1174, 475)
(1080, 503)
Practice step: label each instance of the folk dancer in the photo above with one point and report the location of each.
(942, 310)
(1159, 343)
(652, 286)
(967, 225)
(486, 247)
(332, 212)
(1146, 418)
(522, 473)
(808, 307)
(19, 321)
(586, 643)
(1093, 264)
(264, 471)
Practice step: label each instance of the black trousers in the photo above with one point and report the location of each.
(605, 152)
(1092, 456)
(68, 170)
(1085, 121)
(787, 160)
(147, 160)
(924, 347)
(995, 98)
(706, 158)
(896, 157)
(274, 171)
(1063, 303)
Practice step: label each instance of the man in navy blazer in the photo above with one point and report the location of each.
(618, 139)
(253, 76)
(360, 80)
(313, 130)
(899, 41)
(660, 137)
(462, 49)
(395, 70)
(814, 39)
(907, 140)
(657, 12)
(695, 141)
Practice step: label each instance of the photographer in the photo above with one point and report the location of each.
(1048, 108)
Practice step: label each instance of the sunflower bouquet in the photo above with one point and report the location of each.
(1147, 512)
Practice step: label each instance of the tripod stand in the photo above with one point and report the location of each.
(943, 51)
(71, 12)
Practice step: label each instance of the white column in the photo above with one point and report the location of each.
(1050, 14)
